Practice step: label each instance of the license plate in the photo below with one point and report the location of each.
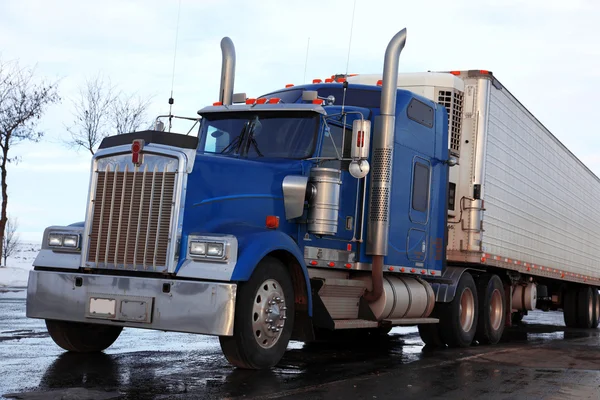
(103, 307)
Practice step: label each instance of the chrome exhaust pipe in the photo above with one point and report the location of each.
(383, 156)
(227, 71)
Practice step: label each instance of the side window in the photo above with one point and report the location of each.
(420, 190)
(342, 138)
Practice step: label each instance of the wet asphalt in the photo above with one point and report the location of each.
(540, 359)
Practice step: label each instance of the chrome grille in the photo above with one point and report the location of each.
(131, 217)
(453, 101)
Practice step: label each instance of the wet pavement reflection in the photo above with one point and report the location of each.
(148, 364)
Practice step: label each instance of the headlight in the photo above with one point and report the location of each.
(198, 248)
(215, 250)
(208, 248)
(71, 241)
(66, 241)
(55, 239)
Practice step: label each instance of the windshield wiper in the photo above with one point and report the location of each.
(237, 141)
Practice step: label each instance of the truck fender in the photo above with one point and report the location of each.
(256, 245)
(446, 290)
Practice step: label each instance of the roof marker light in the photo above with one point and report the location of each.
(328, 80)
(317, 81)
(380, 82)
(340, 80)
(317, 101)
(456, 73)
(250, 101)
(218, 103)
(262, 100)
(289, 85)
(274, 100)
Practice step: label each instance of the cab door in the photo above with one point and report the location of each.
(420, 195)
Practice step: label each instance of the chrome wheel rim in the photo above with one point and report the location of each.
(467, 310)
(597, 307)
(268, 313)
(591, 309)
(496, 310)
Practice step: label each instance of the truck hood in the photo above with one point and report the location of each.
(225, 191)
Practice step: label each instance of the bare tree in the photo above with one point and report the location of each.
(129, 113)
(101, 110)
(92, 113)
(23, 101)
(11, 240)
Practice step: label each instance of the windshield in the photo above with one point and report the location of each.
(262, 134)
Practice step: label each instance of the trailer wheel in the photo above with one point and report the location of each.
(458, 321)
(570, 307)
(596, 298)
(264, 318)
(81, 337)
(585, 307)
(490, 325)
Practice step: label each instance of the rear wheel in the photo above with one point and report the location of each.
(264, 318)
(570, 307)
(430, 333)
(490, 325)
(596, 298)
(81, 337)
(458, 319)
(585, 307)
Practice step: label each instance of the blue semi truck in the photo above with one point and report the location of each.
(286, 219)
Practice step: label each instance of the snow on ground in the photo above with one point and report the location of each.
(16, 272)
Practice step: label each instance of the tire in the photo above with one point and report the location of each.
(82, 337)
(458, 322)
(255, 344)
(492, 309)
(517, 317)
(596, 298)
(570, 307)
(585, 307)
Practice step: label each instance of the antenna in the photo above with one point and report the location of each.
(171, 100)
(348, 59)
(306, 60)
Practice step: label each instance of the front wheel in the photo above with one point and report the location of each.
(264, 318)
(81, 337)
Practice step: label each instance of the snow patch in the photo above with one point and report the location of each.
(16, 271)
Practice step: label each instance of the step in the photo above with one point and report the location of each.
(410, 321)
(354, 324)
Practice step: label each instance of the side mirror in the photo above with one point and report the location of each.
(361, 138)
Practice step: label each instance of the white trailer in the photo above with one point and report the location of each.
(518, 199)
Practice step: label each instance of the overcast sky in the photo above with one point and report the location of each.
(546, 52)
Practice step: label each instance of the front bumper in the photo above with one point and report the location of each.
(189, 306)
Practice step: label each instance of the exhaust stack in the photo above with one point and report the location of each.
(381, 175)
(227, 71)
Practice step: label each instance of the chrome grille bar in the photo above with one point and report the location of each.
(110, 216)
(160, 206)
(121, 214)
(104, 181)
(141, 209)
(135, 170)
(149, 217)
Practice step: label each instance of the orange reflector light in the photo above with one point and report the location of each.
(317, 101)
(423, 271)
(348, 266)
(261, 100)
(313, 262)
(412, 270)
(331, 264)
(272, 222)
(432, 272)
(380, 83)
(250, 101)
(317, 81)
(455, 72)
(328, 80)
(289, 85)
(274, 100)
(391, 268)
(402, 269)
(217, 103)
(340, 80)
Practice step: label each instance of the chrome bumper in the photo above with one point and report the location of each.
(190, 306)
